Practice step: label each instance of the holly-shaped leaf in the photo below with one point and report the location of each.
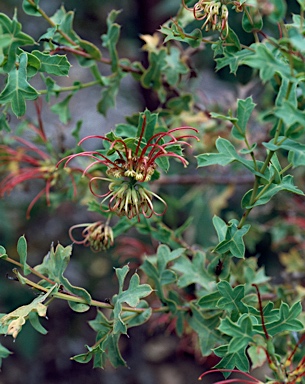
(233, 242)
(131, 296)
(53, 64)
(226, 154)
(232, 59)
(267, 61)
(296, 150)
(17, 89)
(287, 320)
(111, 38)
(152, 77)
(62, 109)
(209, 301)
(174, 67)
(109, 92)
(266, 193)
(11, 32)
(231, 299)
(206, 328)
(175, 32)
(54, 265)
(241, 332)
(243, 113)
(193, 271)
(158, 271)
(232, 360)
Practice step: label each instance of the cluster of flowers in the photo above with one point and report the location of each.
(214, 13)
(27, 161)
(98, 236)
(126, 196)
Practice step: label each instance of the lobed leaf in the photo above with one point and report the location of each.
(17, 89)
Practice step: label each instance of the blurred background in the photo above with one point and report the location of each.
(154, 354)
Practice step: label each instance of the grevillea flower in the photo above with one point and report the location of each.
(214, 13)
(98, 236)
(28, 162)
(130, 163)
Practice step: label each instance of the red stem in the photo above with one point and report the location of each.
(261, 311)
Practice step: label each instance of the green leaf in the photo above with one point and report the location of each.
(17, 89)
(53, 266)
(109, 93)
(135, 291)
(152, 77)
(22, 252)
(209, 301)
(132, 319)
(193, 271)
(111, 39)
(241, 332)
(302, 3)
(252, 20)
(131, 296)
(11, 29)
(3, 253)
(206, 328)
(266, 193)
(244, 111)
(226, 155)
(62, 109)
(287, 320)
(31, 9)
(221, 228)
(232, 360)
(33, 65)
(231, 299)
(175, 32)
(34, 320)
(165, 256)
(53, 64)
(296, 150)
(174, 67)
(268, 61)
(4, 353)
(232, 59)
(233, 241)
(158, 272)
(278, 11)
(289, 113)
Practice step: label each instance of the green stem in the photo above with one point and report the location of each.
(33, 271)
(78, 299)
(51, 22)
(72, 87)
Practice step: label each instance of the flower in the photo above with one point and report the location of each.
(129, 163)
(98, 235)
(215, 14)
(28, 162)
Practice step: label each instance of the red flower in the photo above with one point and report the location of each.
(28, 162)
(133, 162)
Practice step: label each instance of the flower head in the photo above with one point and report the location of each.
(214, 13)
(131, 162)
(28, 162)
(98, 236)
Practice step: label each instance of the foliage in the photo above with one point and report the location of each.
(236, 312)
